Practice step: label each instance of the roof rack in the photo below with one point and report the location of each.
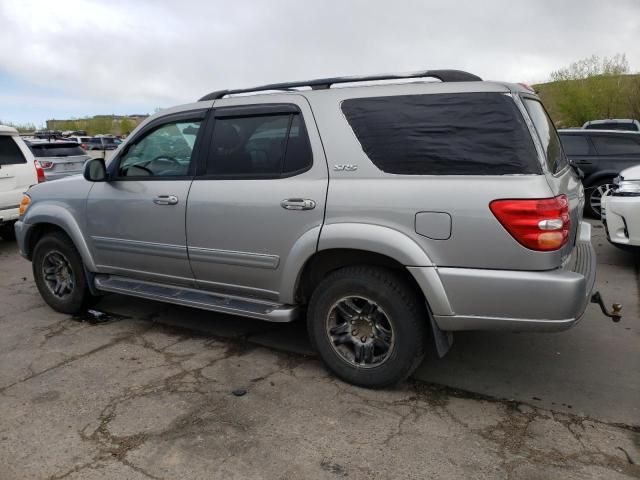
(325, 83)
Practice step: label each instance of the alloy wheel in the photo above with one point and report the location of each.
(360, 332)
(58, 274)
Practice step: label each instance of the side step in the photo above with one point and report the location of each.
(246, 307)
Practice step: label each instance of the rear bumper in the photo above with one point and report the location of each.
(10, 214)
(56, 176)
(478, 299)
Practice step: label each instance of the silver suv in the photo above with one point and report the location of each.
(389, 215)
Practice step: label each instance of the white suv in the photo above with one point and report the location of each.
(18, 172)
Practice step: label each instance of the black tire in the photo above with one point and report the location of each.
(394, 298)
(7, 233)
(76, 297)
(594, 196)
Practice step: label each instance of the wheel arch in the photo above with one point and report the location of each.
(44, 219)
(603, 175)
(323, 262)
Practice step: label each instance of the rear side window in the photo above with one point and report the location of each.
(443, 134)
(618, 145)
(53, 150)
(10, 153)
(262, 145)
(575, 145)
(547, 134)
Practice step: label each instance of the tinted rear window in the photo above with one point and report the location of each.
(547, 134)
(10, 153)
(57, 150)
(443, 134)
(575, 145)
(628, 126)
(618, 145)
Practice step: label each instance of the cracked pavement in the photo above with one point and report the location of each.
(145, 395)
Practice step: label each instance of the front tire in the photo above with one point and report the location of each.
(59, 274)
(368, 325)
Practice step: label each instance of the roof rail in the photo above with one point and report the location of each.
(325, 83)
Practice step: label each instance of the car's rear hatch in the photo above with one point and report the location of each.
(60, 159)
(559, 174)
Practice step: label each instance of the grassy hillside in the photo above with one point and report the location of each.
(573, 102)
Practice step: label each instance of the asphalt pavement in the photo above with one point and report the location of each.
(152, 390)
(592, 369)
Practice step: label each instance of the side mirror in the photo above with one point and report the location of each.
(95, 170)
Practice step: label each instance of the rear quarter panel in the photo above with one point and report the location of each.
(370, 196)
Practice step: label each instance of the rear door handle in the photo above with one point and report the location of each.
(165, 200)
(298, 204)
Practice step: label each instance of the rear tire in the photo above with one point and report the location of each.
(368, 325)
(59, 274)
(594, 196)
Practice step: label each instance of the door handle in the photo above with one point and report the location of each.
(298, 204)
(165, 200)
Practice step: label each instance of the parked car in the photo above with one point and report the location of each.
(18, 172)
(47, 134)
(601, 155)
(59, 159)
(81, 140)
(621, 210)
(103, 143)
(390, 214)
(625, 124)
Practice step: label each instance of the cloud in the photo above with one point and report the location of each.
(160, 53)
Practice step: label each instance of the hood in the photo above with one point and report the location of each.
(68, 187)
(631, 173)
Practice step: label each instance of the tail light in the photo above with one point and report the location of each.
(84, 146)
(538, 224)
(39, 172)
(45, 164)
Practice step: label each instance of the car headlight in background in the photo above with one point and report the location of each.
(627, 188)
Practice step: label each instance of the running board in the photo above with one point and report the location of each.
(246, 307)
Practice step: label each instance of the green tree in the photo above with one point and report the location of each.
(591, 88)
(125, 126)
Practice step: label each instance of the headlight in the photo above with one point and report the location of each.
(628, 188)
(24, 204)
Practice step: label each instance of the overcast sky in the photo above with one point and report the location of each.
(63, 58)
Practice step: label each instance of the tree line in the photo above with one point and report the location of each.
(592, 88)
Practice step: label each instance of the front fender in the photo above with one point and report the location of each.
(60, 216)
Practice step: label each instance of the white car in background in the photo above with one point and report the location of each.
(621, 210)
(18, 171)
